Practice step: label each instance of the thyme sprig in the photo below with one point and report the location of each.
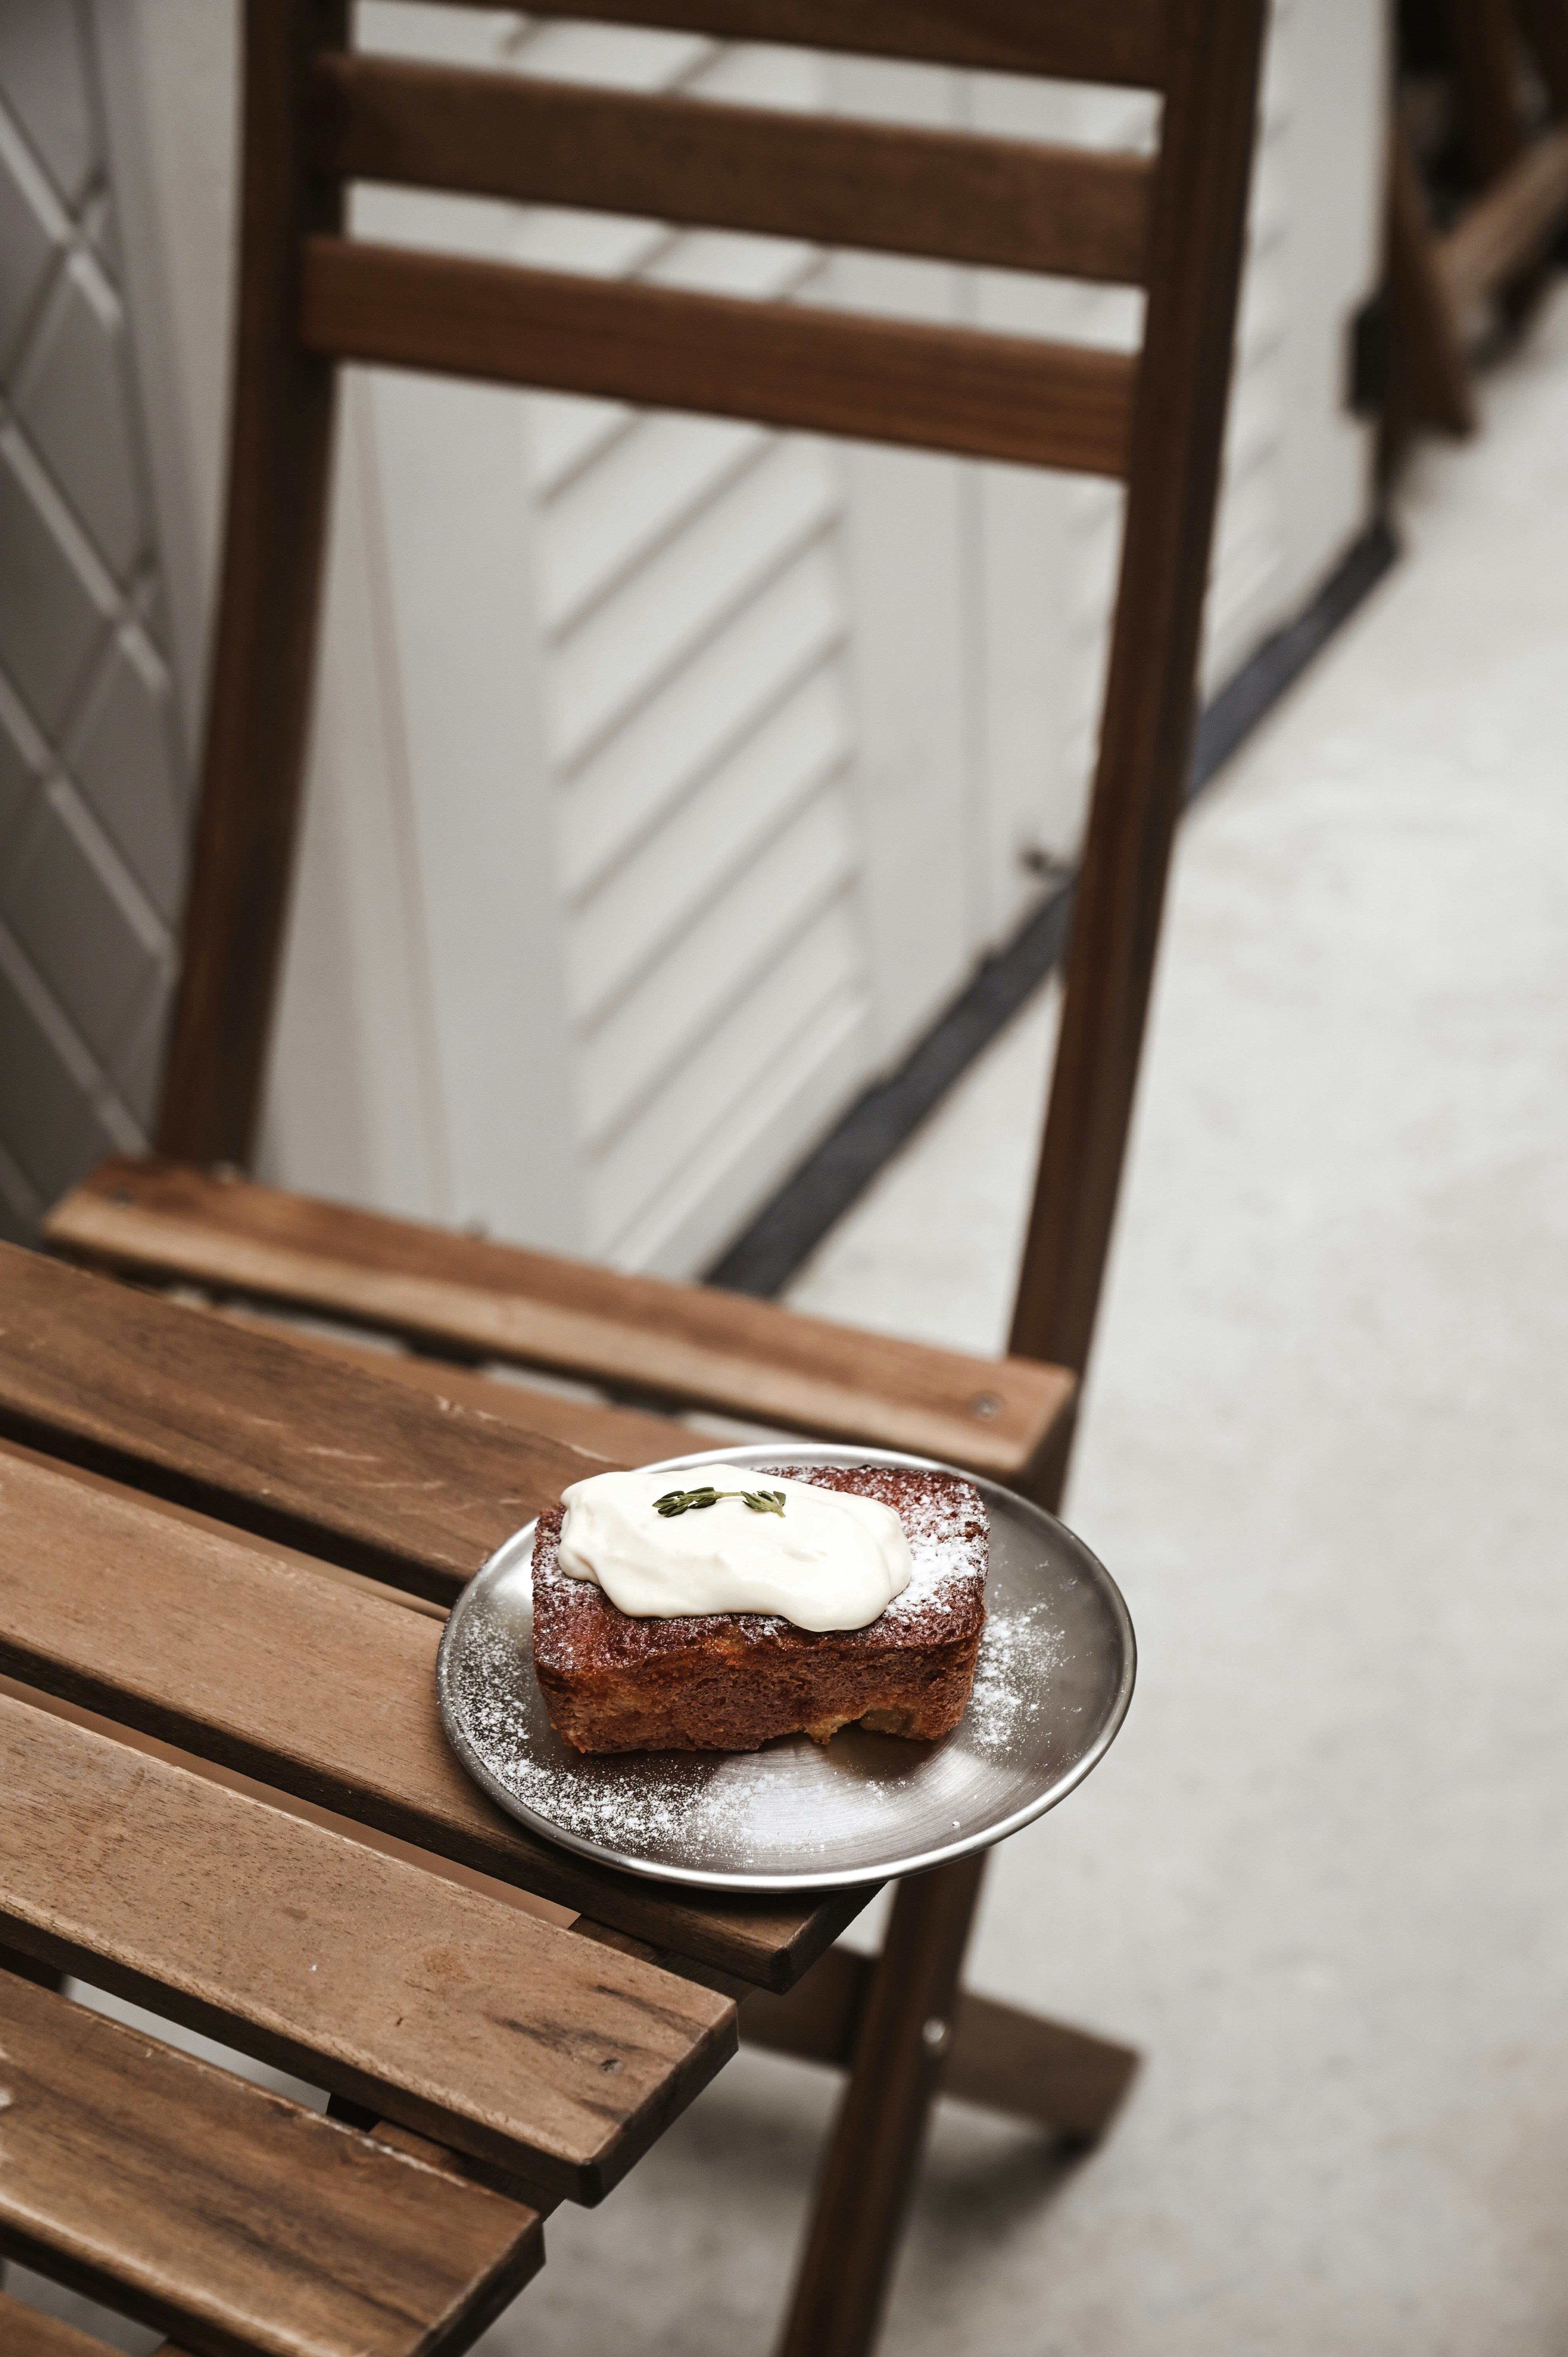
(684, 1502)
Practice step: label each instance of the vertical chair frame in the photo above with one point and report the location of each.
(283, 404)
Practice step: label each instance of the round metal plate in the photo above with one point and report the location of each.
(1053, 1685)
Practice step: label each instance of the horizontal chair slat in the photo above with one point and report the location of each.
(242, 2223)
(291, 1444)
(946, 195)
(622, 1435)
(692, 1344)
(1122, 43)
(323, 1690)
(949, 389)
(436, 2006)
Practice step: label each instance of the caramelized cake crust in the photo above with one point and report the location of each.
(733, 1681)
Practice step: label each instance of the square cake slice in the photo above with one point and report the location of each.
(733, 1681)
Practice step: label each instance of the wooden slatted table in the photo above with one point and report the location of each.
(224, 1564)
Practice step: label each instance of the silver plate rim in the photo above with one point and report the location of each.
(759, 1456)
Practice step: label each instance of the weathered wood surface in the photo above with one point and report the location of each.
(241, 1423)
(621, 1435)
(240, 2222)
(1015, 398)
(320, 1690)
(441, 2009)
(953, 196)
(1124, 42)
(687, 1343)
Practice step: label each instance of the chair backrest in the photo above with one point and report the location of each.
(318, 117)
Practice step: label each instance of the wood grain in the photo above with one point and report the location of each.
(212, 2209)
(263, 660)
(621, 1435)
(687, 1344)
(1123, 43)
(293, 1443)
(321, 1690)
(1013, 398)
(953, 196)
(1200, 216)
(449, 2012)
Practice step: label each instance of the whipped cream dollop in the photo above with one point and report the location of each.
(830, 1560)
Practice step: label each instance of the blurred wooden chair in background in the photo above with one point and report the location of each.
(319, 117)
(1484, 100)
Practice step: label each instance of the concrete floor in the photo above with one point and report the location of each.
(1321, 1880)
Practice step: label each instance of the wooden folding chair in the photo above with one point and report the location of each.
(318, 117)
(1497, 246)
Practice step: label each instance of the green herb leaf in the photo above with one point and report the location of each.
(685, 1502)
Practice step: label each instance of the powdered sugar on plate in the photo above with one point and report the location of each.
(1051, 1685)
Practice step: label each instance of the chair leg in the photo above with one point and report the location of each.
(1008, 2060)
(874, 2150)
(1065, 2080)
(1428, 356)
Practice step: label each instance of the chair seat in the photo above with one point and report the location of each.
(689, 1346)
(225, 2215)
(273, 1954)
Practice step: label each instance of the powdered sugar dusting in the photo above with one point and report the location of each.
(1011, 1678)
(1048, 1683)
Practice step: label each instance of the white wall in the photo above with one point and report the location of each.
(670, 775)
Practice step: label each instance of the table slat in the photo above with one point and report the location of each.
(293, 1444)
(226, 2215)
(445, 2011)
(311, 1684)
